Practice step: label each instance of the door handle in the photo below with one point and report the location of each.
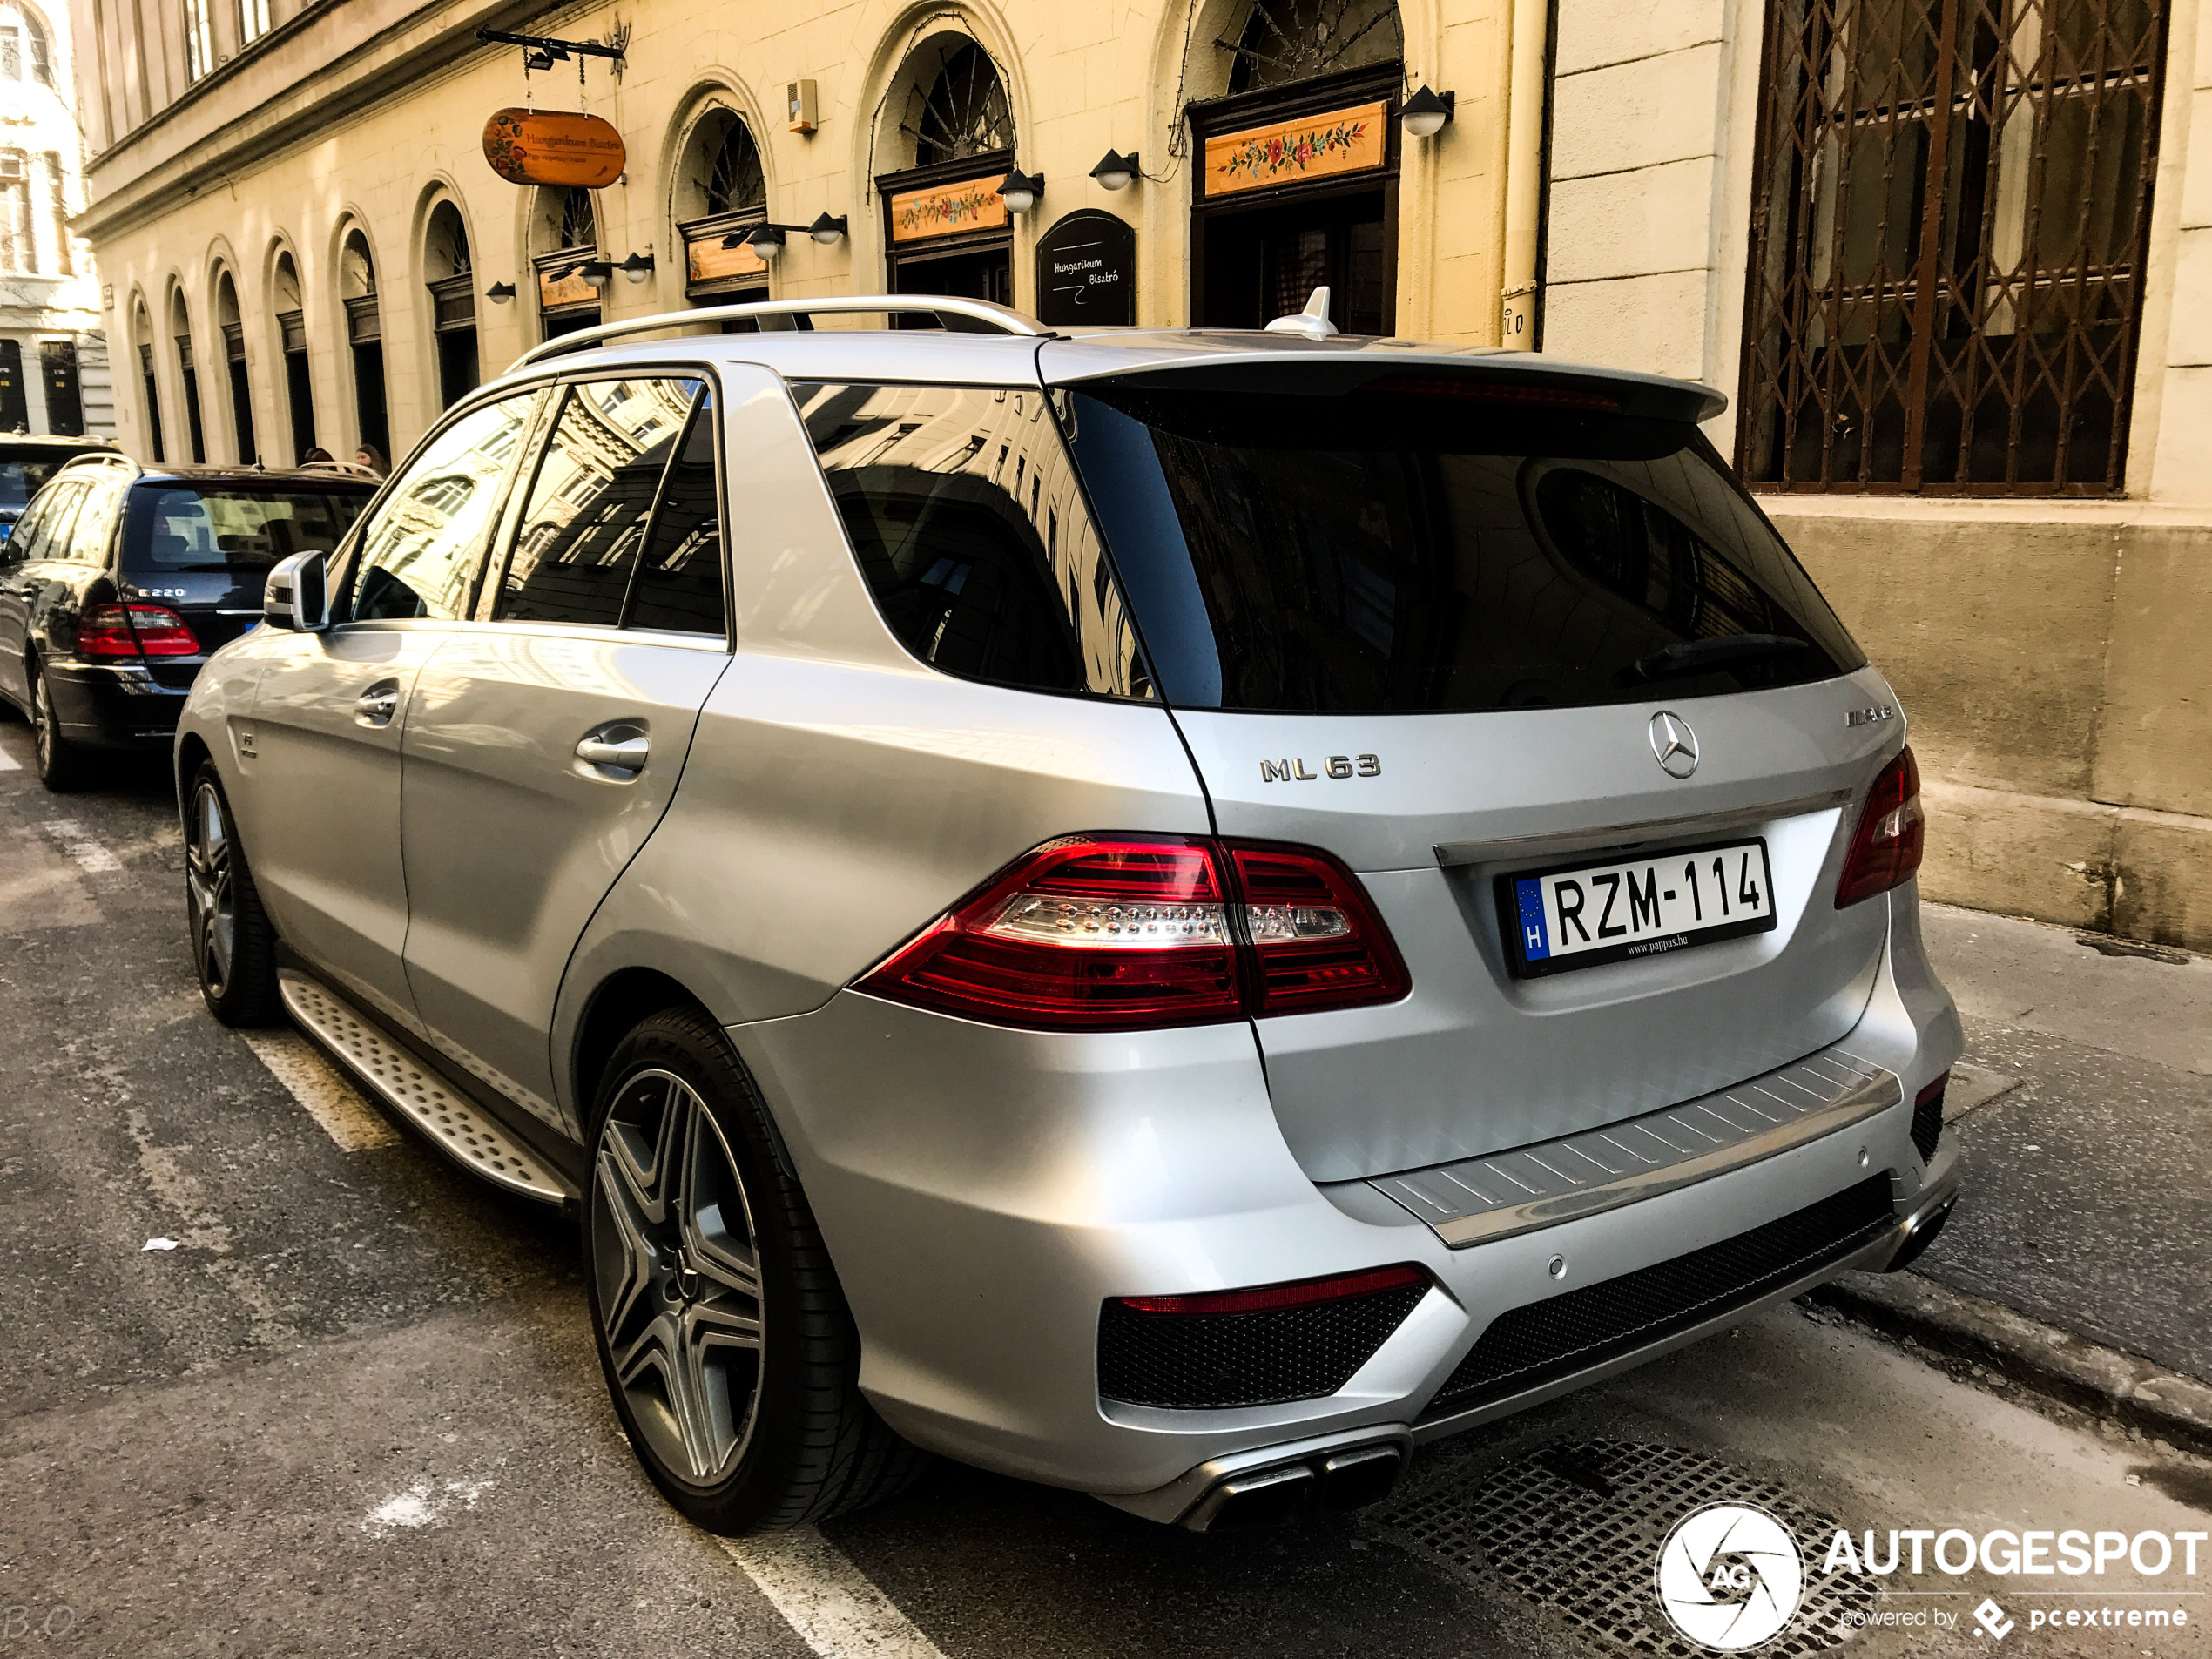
(624, 754)
(378, 704)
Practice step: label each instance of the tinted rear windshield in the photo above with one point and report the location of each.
(20, 477)
(1435, 551)
(227, 527)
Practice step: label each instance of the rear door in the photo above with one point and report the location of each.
(319, 799)
(544, 742)
(1457, 637)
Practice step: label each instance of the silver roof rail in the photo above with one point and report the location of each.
(1004, 318)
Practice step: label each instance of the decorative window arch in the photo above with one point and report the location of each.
(962, 110)
(26, 53)
(1281, 42)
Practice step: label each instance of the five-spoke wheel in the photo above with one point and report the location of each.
(729, 1353)
(677, 1276)
(233, 946)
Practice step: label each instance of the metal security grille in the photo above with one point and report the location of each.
(1577, 1528)
(1948, 225)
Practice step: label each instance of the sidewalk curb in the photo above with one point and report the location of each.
(2134, 1390)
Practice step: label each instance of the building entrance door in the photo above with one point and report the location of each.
(1263, 264)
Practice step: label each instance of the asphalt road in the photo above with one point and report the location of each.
(356, 1410)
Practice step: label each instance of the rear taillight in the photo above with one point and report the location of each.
(125, 631)
(1885, 849)
(1317, 942)
(1116, 933)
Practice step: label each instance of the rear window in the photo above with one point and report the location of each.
(1437, 549)
(229, 527)
(20, 478)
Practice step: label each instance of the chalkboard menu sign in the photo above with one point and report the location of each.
(1087, 271)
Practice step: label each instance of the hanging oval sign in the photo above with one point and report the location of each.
(553, 147)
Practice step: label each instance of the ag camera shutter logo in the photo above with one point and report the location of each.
(1730, 1576)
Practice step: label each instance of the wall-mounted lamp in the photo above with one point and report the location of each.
(500, 293)
(597, 274)
(1425, 112)
(766, 243)
(826, 230)
(1115, 170)
(1019, 190)
(637, 267)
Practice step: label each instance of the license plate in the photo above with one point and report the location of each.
(1579, 915)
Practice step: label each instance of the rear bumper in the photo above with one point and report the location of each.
(114, 707)
(983, 1191)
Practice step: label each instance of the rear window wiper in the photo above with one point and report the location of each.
(1696, 656)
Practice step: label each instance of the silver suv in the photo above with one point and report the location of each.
(1170, 914)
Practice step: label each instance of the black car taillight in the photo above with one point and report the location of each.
(127, 631)
(1113, 933)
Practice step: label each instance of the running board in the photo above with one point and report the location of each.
(463, 1130)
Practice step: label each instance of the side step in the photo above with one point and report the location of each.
(460, 1127)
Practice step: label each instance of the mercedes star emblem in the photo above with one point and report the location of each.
(1675, 744)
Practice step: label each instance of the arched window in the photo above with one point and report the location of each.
(25, 55)
(1284, 41)
(365, 334)
(964, 111)
(149, 383)
(292, 329)
(566, 240)
(180, 325)
(448, 273)
(233, 327)
(734, 180)
(721, 192)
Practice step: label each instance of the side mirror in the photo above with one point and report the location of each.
(296, 597)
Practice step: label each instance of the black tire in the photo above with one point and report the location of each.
(63, 765)
(233, 946)
(802, 1444)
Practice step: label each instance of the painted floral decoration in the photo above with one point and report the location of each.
(1291, 151)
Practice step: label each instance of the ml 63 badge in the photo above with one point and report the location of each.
(1282, 771)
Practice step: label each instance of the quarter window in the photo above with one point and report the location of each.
(973, 534)
(591, 503)
(424, 545)
(679, 584)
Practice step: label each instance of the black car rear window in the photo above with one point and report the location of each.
(1439, 548)
(228, 527)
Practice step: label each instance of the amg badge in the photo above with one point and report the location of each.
(1868, 717)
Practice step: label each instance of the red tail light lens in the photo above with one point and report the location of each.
(1082, 935)
(125, 631)
(1120, 933)
(1319, 942)
(1886, 847)
(1266, 1297)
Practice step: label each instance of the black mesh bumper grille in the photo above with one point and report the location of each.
(1927, 1125)
(1200, 1359)
(1531, 1345)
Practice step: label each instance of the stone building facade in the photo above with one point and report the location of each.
(53, 358)
(1950, 260)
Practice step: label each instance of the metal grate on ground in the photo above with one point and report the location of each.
(1577, 1528)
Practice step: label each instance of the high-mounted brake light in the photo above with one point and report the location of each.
(125, 631)
(1102, 933)
(1526, 393)
(1887, 847)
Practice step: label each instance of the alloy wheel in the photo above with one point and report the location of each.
(677, 1276)
(211, 889)
(41, 721)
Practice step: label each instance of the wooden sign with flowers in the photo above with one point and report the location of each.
(946, 210)
(1290, 152)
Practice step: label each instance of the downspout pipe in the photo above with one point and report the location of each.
(1520, 301)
